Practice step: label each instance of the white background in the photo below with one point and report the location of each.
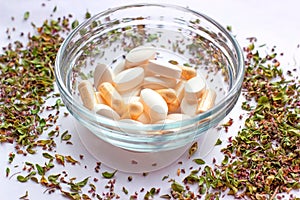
(272, 22)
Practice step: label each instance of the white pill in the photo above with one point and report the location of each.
(144, 118)
(139, 56)
(188, 108)
(106, 111)
(158, 82)
(164, 69)
(129, 79)
(194, 88)
(179, 88)
(177, 116)
(87, 94)
(119, 67)
(154, 105)
(131, 93)
(102, 73)
(207, 101)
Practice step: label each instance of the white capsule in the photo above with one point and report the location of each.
(158, 82)
(179, 88)
(207, 101)
(188, 108)
(119, 67)
(164, 69)
(194, 88)
(154, 105)
(106, 111)
(139, 56)
(87, 94)
(102, 73)
(129, 79)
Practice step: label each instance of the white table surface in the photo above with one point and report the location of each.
(272, 22)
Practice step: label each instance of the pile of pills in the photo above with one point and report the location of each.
(143, 89)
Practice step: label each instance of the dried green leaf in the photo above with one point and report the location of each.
(199, 161)
(193, 149)
(60, 159)
(66, 136)
(47, 155)
(26, 15)
(177, 187)
(218, 142)
(109, 175)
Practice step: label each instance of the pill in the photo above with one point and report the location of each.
(87, 94)
(154, 105)
(139, 56)
(177, 116)
(158, 82)
(111, 96)
(129, 79)
(188, 108)
(119, 67)
(127, 95)
(188, 72)
(174, 106)
(99, 99)
(168, 94)
(135, 109)
(207, 101)
(102, 73)
(164, 69)
(179, 88)
(106, 111)
(144, 118)
(194, 88)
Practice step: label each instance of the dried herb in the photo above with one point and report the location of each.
(26, 15)
(193, 149)
(109, 174)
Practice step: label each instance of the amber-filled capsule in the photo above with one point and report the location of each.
(207, 101)
(111, 97)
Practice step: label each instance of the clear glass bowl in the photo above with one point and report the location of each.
(178, 33)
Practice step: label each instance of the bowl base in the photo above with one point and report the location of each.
(139, 162)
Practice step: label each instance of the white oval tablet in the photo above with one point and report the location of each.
(164, 69)
(87, 94)
(106, 111)
(154, 105)
(188, 108)
(102, 73)
(119, 67)
(158, 82)
(139, 56)
(129, 79)
(194, 88)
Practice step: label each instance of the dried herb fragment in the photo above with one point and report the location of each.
(199, 161)
(193, 149)
(25, 196)
(26, 15)
(109, 175)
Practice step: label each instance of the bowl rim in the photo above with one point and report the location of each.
(151, 127)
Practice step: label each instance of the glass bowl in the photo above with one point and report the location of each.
(177, 33)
